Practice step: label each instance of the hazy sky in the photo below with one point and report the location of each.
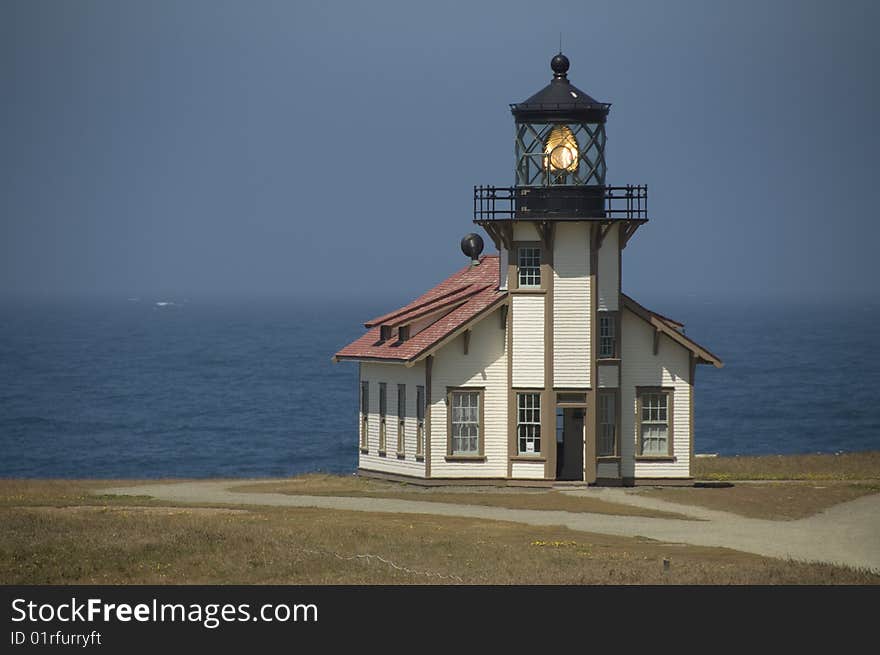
(191, 148)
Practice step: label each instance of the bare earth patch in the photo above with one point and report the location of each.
(511, 498)
(774, 501)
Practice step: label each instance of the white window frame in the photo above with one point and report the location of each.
(607, 335)
(528, 260)
(401, 420)
(420, 421)
(607, 424)
(465, 423)
(528, 422)
(365, 414)
(655, 417)
(383, 413)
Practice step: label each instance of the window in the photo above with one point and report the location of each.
(607, 423)
(655, 424)
(420, 421)
(528, 423)
(465, 423)
(607, 335)
(403, 333)
(365, 415)
(401, 418)
(384, 332)
(529, 267)
(383, 410)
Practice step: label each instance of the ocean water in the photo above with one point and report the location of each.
(117, 388)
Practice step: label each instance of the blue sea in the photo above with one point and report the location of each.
(132, 389)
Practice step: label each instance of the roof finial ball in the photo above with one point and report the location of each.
(559, 64)
(472, 246)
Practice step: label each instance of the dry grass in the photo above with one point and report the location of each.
(775, 500)
(133, 545)
(58, 532)
(847, 466)
(511, 498)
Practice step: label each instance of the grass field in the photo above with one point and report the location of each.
(67, 532)
(846, 466)
(133, 544)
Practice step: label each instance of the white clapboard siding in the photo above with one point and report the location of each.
(527, 316)
(528, 470)
(571, 306)
(641, 368)
(485, 366)
(609, 272)
(392, 375)
(608, 376)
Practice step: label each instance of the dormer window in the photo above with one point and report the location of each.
(529, 267)
(403, 333)
(385, 332)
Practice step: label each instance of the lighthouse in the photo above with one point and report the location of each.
(530, 365)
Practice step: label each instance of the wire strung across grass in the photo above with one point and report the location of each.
(368, 556)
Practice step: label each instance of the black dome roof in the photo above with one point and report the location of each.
(560, 101)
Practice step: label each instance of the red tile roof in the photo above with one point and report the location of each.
(466, 295)
(418, 310)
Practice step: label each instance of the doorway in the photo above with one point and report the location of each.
(570, 443)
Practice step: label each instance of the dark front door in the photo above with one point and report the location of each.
(570, 444)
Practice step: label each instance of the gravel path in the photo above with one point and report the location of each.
(847, 534)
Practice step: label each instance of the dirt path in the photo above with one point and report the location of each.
(847, 534)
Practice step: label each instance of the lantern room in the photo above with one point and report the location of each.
(560, 162)
(560, 134)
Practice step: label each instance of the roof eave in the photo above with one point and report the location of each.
(703, 355)
(361, 358)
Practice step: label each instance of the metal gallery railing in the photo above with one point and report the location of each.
(628, 202)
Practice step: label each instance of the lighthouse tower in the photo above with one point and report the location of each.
(560, 232)
(530, 366)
